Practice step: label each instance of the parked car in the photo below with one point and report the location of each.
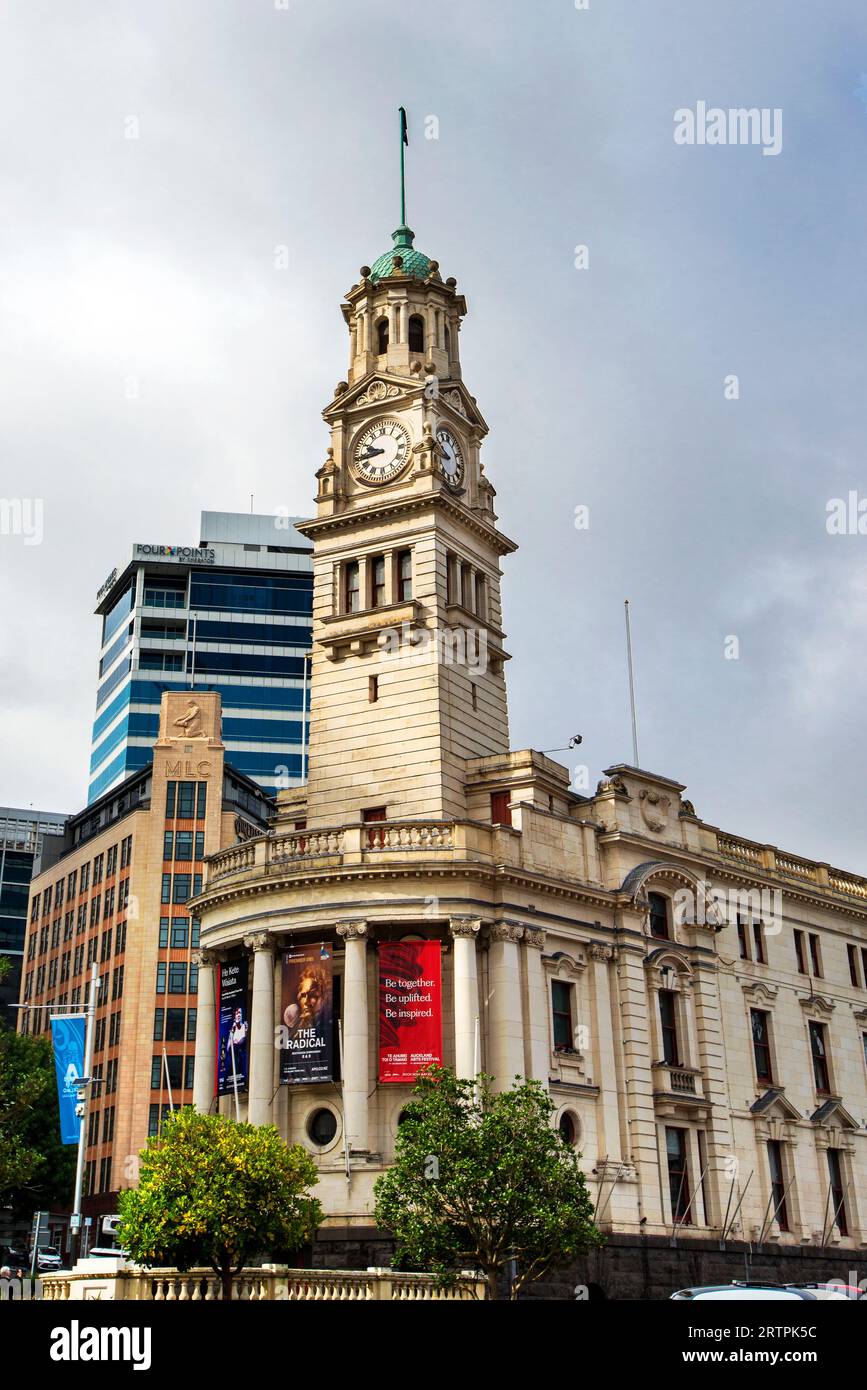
(105, 1252)
(778, 1293)
(824, 1288)
(47, 1259)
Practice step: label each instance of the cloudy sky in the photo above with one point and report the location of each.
(154, 360)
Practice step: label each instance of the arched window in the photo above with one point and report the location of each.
(416, 333)
(567, 1127)
(382, 336)
(658, 915)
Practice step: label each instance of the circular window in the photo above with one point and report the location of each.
(568, 1127)
(322, 1126)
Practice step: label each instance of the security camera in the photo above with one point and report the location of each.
(79, 1110)
(575, 740)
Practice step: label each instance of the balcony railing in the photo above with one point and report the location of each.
(114, 1281)
(348, 843)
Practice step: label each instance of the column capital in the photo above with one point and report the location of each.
(599, 952)
(506, 931)
(464, 926)
(259, 941)
(205, 958)
(534, 936)
(354, 930)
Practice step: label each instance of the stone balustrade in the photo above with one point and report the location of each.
(270, 1283)
(775, 861)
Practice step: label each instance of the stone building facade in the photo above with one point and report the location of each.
(694, 1002)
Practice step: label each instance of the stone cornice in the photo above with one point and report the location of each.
(386, 510)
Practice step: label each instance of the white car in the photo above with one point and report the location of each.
(777, 1293)
(47, 1259)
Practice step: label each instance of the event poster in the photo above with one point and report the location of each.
(233, 1032)
(306, 1008)
(67, 1036)
(410, 1009)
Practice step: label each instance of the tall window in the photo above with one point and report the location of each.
(416, 333)
(480, 601)
(678, 1178)
(759, 939)
(761, 1044)
(778, 1186)
(800, 954)
(838, 1193)
(853, 965)
(404, 576)
(561, 1009)
(377, 581)
(743, 941)
(658, 915)
(668, 1024)
(815, 956)
(382, 336)
(819, 1054)
(350, 587)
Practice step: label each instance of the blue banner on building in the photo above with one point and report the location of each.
(67, 1035)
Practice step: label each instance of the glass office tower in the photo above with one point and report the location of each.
(22, 835)
(232, 614)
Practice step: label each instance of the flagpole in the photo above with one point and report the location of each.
(84, 1096)
(403, 143)
(631, 685)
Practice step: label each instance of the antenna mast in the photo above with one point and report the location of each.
(635, 761)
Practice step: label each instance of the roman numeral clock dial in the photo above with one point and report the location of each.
(381, 453)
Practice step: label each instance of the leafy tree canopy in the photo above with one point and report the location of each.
(481, 1179)
(217, 1193)
(36, 1169)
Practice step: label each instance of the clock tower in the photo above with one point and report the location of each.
(408, 657)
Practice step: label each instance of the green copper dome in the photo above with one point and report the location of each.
(413, 262)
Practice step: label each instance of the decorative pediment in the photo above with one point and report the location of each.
(563, 966)
(456, 397)
(817, 1005)
(668, 961)
(774, 1115)
(376, 391)
(833, 1115)
(759, 992)
(693, 901)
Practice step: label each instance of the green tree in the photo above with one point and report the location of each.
(217, 1193)
(483, 1179)
(36, 1169)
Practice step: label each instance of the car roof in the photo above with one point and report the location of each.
(735, 1289)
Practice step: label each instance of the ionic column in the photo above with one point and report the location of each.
(356, 1040)
(204, 1075)
(261, 1050)
(464, 932)
(537, 1051)
(505, 1024)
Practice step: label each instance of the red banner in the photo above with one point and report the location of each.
(410, 1009)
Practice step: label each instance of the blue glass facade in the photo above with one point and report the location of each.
(236, 618)
(21, 836)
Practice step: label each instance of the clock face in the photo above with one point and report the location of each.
(382, 452)
(452, 460)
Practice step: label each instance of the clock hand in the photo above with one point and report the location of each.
(369, 452)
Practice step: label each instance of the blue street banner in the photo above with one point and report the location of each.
(67, 1035)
